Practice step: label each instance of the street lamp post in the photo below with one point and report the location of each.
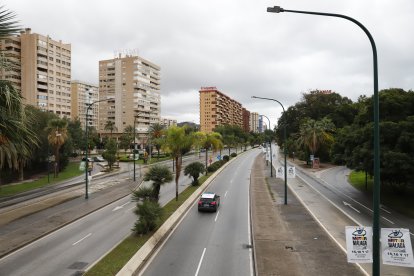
(377, 183)
(284, 138)
(86, 144)
(135, 117)
(270, 142)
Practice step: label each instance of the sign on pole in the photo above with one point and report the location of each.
(359, 244)
(291, 172)
(82, 166)
(396, 247)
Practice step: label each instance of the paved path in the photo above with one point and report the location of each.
(287, 240)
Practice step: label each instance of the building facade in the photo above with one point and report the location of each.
(131, 87)
(10, 48)
(168, 122)
(246, 120)
(218, 109)
(41, 71)
(84, 94)
(254, 122)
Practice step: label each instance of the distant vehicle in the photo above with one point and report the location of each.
(131, 156)
(209, 202)
(98, 159)
(89, 159)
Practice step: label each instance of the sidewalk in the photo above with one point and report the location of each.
(287, 240)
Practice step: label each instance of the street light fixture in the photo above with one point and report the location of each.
(86, 144)
(377, 183)
(284, 137)
(270, 142)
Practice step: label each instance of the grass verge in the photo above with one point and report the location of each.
(402, 203)
(120, 255)
(70, 171)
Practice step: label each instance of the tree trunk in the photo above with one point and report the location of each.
(21, 170)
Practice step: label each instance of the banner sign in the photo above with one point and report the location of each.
(82, 166)
(396, 247)
(359, 244)
(280, 172)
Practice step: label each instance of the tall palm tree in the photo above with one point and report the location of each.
(211, 141)
(16, 139)
(176, 142)
(57, 135)
(156, 132)
(109, 125)
(313, 134)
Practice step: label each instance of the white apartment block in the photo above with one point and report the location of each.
(83, 95)
(133, 85)
(168, 122)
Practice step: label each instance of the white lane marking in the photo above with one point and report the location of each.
(411, 234)
(225, 194)
(199, 263)
(382, 208)
(120, 206)
(350, 206)
(218, 212)
(388, 220)
(87, 236)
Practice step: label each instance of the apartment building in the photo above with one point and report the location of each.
(41, 70)
(218, 109)
(168, 122)
(84, 94)
(246, 120)
(132, 86)
(254, 122)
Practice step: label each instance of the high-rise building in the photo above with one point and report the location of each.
(41, 71)
(246, 120)
(84, 94)
(10, 48)
(218, 109)
(254, 122)
(132, 86)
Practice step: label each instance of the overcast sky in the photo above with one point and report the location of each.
(235, 45)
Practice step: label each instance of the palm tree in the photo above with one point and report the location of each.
(156, 132)
(159, 175)
(176, 142)
(313, 134)
(57, 135)
(211, 141)
(109, 125)
(194, 170)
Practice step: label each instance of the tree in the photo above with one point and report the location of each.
(159, 175)
(109, 125)
(194, 170)
(11, 109)
(77, 134)
(156, 132)
(149, 212)
(313, 134)
(176, 142)
(210, 141)
(57, 135)
(110, 153)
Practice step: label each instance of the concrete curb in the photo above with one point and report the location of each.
(145, 252)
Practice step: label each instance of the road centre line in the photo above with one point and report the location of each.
(388, 220)
(199, 263)
(87, 236)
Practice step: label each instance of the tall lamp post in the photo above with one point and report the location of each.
(377, 183)
(284, 138)
(86, 144)
(270, 142)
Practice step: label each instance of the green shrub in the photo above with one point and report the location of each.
(215, 166)
(233, 154)
(226, 158)
(149, 213)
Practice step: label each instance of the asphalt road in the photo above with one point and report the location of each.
(213, 243)
(336, 204)
(80, 244)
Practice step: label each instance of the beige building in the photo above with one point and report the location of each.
(133, 83)
(254, 122)
(41, 70)
(168, 122)
(84, 94)
(218, 109)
